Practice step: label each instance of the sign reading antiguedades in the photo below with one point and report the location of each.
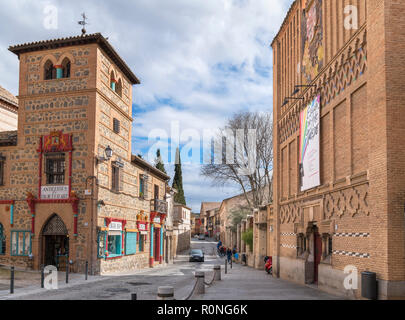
(54, 192)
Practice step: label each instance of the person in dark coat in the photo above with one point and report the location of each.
(229, 254)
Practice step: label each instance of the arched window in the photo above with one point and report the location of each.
(2, 240)
(113, 82)
(66, 68)
(50, 71)
(118, 88)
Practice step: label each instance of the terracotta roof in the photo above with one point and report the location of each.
(285, 21)
(8, 97)
(78, 40)
(8, 138)
(144, 164)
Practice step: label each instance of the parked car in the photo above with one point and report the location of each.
(201, 237)
(196, 236)
(196, 255)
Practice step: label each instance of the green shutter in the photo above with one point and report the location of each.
(130, 243)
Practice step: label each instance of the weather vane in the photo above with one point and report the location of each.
(83, 23)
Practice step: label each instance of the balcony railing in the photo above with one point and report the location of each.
(159, 206)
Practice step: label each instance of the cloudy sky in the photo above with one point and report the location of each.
(199, 61)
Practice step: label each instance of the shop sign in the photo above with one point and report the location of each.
(115, 226)
(141, 226)
(54, 192)
(156, 220)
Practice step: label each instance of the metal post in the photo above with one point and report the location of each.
(165, 293)
(134, 296)
(200, 278)
(217, 270)
(42, 276)
(12, 280)
(87, 269)
(226, 266)
(231, 262)
(67, 272)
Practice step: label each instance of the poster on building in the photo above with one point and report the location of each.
(312, 49)
(309, 145)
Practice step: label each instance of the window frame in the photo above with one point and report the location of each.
(116, 126)
(57, 157)
(25, 252)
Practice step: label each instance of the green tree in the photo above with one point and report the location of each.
(178, 180)
(237, 215)
(159, 163)
(247, 236)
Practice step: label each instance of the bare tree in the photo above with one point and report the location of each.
(244, 148)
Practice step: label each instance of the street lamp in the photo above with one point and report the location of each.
(108, 154)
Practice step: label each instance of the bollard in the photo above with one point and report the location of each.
(165, 293)
(231, 262)
(42, 276)
(67, 272)
(226, 266)
(87, 270)
(134, 296)
(200, 286)
(217, 270)
(12, 280)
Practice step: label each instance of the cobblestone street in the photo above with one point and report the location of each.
(240, 283)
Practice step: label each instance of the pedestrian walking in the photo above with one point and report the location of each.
(229, 254)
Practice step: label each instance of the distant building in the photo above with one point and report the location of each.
(182, 227)
(8, 111)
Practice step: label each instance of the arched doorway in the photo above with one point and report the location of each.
(55, 243)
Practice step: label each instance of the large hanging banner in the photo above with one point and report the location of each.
(309, 145)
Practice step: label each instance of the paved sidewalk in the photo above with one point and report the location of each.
(245, 283)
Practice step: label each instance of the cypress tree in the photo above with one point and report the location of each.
(178, 180)
(159, 163)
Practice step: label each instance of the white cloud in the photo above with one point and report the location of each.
(199, 61)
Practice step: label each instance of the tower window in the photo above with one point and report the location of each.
(66, 68)
(118, 88)
(116, 125)
(55, 169)
(50, 71)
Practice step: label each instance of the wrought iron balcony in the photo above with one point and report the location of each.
(159, 206)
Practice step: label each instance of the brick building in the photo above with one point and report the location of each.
(72, 191)
(341, 203)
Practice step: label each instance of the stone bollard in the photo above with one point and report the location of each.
(165, 293)
(200, 278)
(217, 270)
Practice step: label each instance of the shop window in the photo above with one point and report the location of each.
(20, 243)
(141, 243)
(116, 126)
(2, 240)
(130, 242)
(49, 71)
(101, 237)
(66, 68)
(114, 243)
(55, 169)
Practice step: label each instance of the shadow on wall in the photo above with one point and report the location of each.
(183, 241)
